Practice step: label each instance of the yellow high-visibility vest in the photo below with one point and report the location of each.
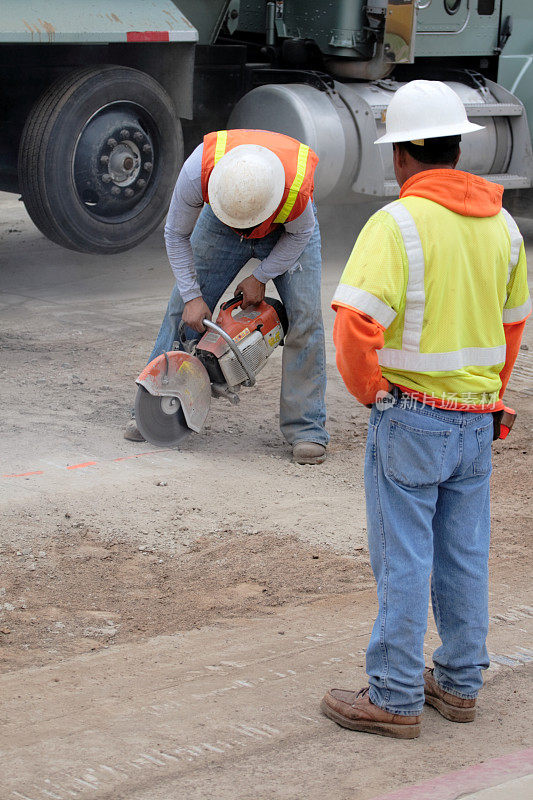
(442, 285)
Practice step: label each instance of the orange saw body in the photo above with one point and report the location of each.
(175, 389)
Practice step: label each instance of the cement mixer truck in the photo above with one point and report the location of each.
(102, 101)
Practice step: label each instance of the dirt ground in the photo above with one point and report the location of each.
(169, 619)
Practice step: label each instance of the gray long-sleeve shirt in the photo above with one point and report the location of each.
(185, 207)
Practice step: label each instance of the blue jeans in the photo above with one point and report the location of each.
(219, 255)
(427, 477)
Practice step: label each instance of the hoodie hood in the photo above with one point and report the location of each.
(466, 194)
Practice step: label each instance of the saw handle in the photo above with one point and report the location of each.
(212, 326)
(229, 305)
(253, 321)
(181, 337)
(233, 302)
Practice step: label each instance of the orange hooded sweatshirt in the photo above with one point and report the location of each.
(357, 336)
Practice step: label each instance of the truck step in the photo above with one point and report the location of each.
(494, 109)
(473, 110)
(506, 180)
(509, 181)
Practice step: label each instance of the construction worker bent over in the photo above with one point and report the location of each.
(430, 312)
(257, 187)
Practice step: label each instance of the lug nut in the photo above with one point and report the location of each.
(146, 148)
(112, 142)
(141, 183)
(104, 159)
(129, 192)
(115, 190)
(138, 136)
(124, 134)
(148, 166)
(106, 178)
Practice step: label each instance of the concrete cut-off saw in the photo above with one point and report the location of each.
(175, 389)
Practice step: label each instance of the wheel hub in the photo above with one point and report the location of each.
(114, 162)
(170, 405)
(124, 164)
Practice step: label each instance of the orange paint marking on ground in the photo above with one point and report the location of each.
(22, 474)
(88, 463)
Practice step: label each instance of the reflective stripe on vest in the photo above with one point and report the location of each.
(516, 241)
(415, 295)
(220, 149)
(366, 302)
(410, 358)
(288, 205)
(519, 313)
(442, 362)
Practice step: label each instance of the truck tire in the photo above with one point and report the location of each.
(99, 157)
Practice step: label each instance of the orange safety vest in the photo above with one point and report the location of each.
(298, 160)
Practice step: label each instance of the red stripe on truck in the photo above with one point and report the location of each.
(148, 36)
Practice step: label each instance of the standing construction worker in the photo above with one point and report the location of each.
(257, 187)
(430, 313)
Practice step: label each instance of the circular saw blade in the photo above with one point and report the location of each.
(155, 423)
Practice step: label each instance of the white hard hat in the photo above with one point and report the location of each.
(246, 186)
(425, 110)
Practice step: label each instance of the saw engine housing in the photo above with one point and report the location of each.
(175, 388)
(256, 330)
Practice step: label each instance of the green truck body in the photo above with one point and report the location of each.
(515, 67)
(102, 101)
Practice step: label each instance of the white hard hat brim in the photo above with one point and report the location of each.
(455, 129)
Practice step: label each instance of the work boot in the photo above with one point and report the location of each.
(308, 453)
(457, 709)
(132, 432)
(355, 710)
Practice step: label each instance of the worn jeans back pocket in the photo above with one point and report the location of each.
(415, 457)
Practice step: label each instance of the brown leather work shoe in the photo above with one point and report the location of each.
(457, 709)
(354, 710)
(304, 452)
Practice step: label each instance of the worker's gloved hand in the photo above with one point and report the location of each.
(253, 291)
(194, 312)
